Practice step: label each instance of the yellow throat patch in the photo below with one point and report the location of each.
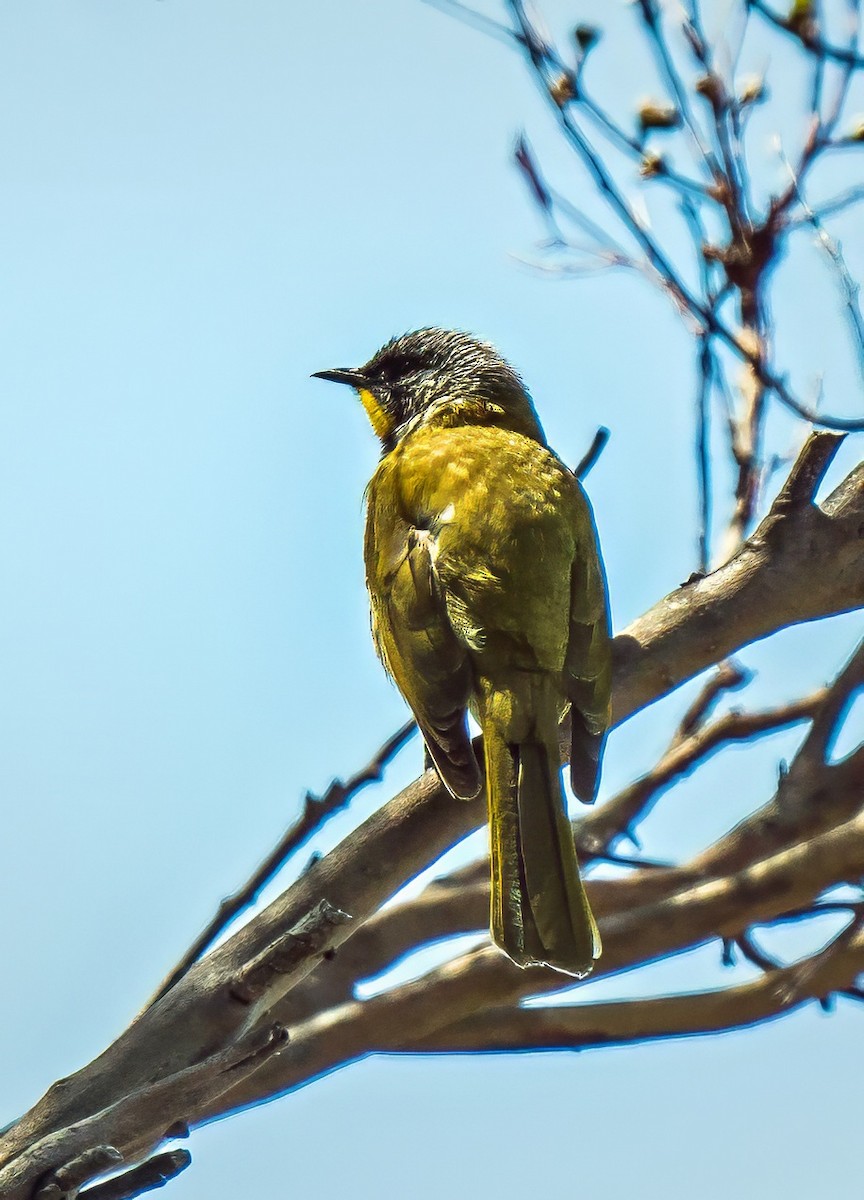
(380, 420)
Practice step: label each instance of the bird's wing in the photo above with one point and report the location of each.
(588, 662)
(417, 645)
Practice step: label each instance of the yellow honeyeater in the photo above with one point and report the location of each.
(488, 596)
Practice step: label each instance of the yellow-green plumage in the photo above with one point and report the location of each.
(487, 595)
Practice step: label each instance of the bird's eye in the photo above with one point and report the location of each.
(394, 369)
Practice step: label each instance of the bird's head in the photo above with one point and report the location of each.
(438, 376)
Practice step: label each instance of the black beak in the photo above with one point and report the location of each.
(347, 375)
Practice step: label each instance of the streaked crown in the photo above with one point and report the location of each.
(440, 376)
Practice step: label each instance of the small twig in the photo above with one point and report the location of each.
(539, 191)
(703, 455)
(568, 209)
(596, 261)
(803, 973)
(728, 677)
(854, 7)
(832, 248)
(651, 20)
(591, 455)
(818, 68)
(819, 136)
(154, 1173)
(812, 42)
(636, 150)
(830, 208)
(477, 20)
(754, 954)
(616, 818)
(733, 192)
(829, 714)
(849, 287)
(316, 810)
(708, 372)
(666, 275)
(525, 161)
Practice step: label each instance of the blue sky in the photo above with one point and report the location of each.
(202, 204)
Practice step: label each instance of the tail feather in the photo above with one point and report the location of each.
(540, 913)
(586, 751)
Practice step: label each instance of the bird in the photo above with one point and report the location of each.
(488, 596)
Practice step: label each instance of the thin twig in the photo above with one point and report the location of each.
(732, 178)
(666, 275)
(703, 443)
(599, 829)
(829, 208)
(849, 287)
(750, 950)
(316, 810)
(728, 677)
(812, 42)
(476, 20)
(651, 19)
(589, 458)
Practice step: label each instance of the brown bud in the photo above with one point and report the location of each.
(711, 87)
(654, 114)
(856, 133)
(753, 90)
(586, 37)
(563, 89)
(652, 165)
(718, 190)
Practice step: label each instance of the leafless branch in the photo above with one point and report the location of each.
(581, 1026)
(808, 37)
(215, 1037)
(618, 816)
(153, 1173)
(850, 289)
(187, 1056)
(728, 677)
(316, 810)
(591, 455)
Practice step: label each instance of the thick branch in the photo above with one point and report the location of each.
(802, 560)
(576, 1027)
(316, 810)
(403, 1017)
(459, 903)
(804, 563)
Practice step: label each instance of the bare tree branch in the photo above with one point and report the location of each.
(177, 1042)
(316, 810)
(573, 1027)
(152, 1173)
(687, 918)
(459, 903)
(214, 1038)
(807, 35)
(616, 818)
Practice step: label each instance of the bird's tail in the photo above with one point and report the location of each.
(540, 913)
